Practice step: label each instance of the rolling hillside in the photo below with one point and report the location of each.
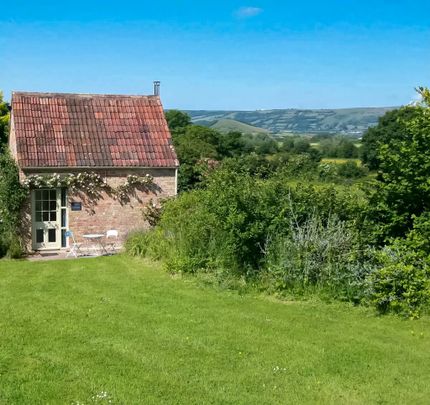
(227, 125)
(348, 121)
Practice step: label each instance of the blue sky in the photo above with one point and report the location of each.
(220, 55)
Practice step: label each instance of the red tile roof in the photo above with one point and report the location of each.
(87, 130)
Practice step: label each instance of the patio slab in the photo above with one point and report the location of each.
(59, 255)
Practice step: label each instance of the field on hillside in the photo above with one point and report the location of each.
(348, 120)
(341, 160)
(122, 331)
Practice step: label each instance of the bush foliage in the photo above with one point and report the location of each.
(12, 196)
(293, 225)
(319, 255)
(282, 235)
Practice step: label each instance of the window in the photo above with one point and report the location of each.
(39, 235)
(52, 235)
(45, 205)
(63, 217)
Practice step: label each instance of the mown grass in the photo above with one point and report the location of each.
(122, 330)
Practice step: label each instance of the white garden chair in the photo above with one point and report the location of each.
(111, 240)
(75, 249)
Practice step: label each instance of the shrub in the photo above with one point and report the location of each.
(152, 212)
(327, 171)
(226, 225)
(319, 255)
(12, 196)
(351, 170)
(401, 288)
(137, 244)
(418, 238)
(15, 249)
(182, 264)
(185, 234)
(402, 284)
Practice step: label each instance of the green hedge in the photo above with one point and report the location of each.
(12, 196)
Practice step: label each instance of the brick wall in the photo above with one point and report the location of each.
(108, 213)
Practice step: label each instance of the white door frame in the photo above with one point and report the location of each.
(46, 219)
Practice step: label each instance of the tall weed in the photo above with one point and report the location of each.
(318, 254)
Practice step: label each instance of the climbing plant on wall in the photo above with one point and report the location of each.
(90, 183)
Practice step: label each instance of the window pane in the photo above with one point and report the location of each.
(39, 235)
(53, 205)
(38, 216)
(45, 205)
(53, 194)
(53, 216)
(63, 218)
(45, 216)
(38, 206)
(52, 235)
(45, 195)
(63, 238)
(63, 197)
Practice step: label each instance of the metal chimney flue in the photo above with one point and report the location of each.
(157, 87)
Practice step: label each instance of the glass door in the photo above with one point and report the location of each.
(46, 219)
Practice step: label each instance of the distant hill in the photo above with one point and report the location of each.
(227, 125)
(354, 121)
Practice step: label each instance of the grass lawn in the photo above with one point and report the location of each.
(117, 329)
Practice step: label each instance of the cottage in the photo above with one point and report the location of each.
(92, 163)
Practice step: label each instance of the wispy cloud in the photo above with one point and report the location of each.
(416, 98)
(248, 12)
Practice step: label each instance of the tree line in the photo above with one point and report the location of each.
(200, 149)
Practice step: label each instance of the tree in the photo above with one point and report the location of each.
(231, 144)
(287, 144)
(262, 144)
(193, 145)
(404, 161)
(390, 126)
(351, 170)
(301, 145)
(197, 143)
(4, 121)
(338, 147)
(346, 149)
(177, 119)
